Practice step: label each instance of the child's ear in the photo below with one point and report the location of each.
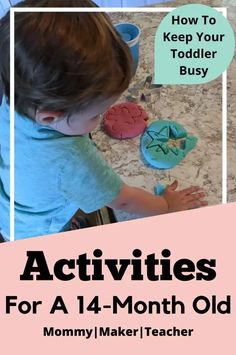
(47, 118)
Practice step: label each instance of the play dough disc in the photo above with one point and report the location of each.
(125, 120)
(165, 143)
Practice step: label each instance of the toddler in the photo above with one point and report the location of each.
(69, 68)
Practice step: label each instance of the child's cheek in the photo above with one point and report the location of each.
(94, 123)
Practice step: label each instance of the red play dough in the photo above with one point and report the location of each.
(125, 120)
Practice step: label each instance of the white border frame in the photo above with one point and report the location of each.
(95, 9)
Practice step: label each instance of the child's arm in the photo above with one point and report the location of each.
(132, 199)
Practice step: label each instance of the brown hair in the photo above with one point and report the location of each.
(63, 61)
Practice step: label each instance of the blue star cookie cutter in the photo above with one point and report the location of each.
(165, 143)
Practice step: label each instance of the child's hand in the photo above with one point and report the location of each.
(185, 199)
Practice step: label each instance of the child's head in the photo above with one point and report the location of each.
(65, 63)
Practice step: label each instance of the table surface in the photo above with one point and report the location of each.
(197, 107)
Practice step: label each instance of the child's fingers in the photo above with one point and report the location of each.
(196, 204)
(173, 186)
(194, 197)
(190, 190)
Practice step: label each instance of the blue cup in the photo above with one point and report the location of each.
(130, 34)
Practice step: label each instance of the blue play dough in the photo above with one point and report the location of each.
(154, 144)
(159, 189)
